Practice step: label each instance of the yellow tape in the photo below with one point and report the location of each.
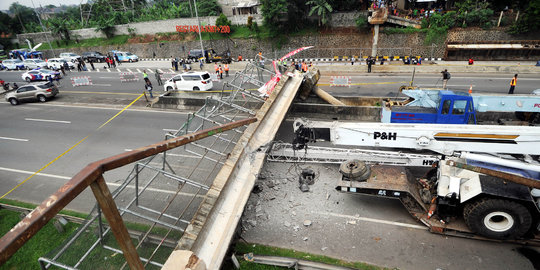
(327, 84)
(67, 151)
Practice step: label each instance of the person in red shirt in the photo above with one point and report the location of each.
(471, 61)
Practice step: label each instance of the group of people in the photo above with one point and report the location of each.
(301, 66)
(5, 85)
(219, 70)
(185, 63)
(446, 76)
(111, 61)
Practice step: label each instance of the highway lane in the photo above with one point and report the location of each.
(27, 143)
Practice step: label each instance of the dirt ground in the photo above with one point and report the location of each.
(358, 228)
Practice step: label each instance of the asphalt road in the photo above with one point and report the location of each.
(32, 135)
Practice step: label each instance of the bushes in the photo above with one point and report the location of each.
(361, 22)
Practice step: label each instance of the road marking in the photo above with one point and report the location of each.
(119, 70)
(399, 224)
(47, 120)
(129, 70)
(160, 71)
(171, 70)
(97, 69)
(98, 84)
(138, 70)
(171, 154)
(108, 70)
(104, 93)
(106, 108)
(150, 71)
(71, 148)
(110, 184)
(13, 139)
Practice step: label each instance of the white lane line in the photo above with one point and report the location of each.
(47, 120)
(110, 184)
(399, 224)
(138, 70)
(103, 108)
(108, 70)
(171, 69)
(119, 70)
(13, 139)
(160, 71)
(150, 71)
(129, 70)
(100, 84)
(97, 69)
(172, 155)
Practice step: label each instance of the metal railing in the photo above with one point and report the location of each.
(92, 175)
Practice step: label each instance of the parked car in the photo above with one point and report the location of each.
(126, 56)
(196, 81)
(94, 56)
(40, 91)
(40, 75)
(70, 56)
(13, 64)
(34, 63)
(56, 63)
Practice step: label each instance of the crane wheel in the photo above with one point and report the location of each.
(497, 218)
(355, 170)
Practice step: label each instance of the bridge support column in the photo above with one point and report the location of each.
(375, 40)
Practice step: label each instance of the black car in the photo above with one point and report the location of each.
(94, 56)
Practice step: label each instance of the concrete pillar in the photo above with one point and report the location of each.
(375, 40)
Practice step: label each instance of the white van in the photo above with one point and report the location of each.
(196, 81)
(70, 56)
(57, 63)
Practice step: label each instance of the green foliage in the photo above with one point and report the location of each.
(362, 22)
(222, 20)
(323, 9)
(25, 16)
(406, 30)
(208, 8)
(59, 27)
(131, 31)
(272, 11)
(249, 23)
(106, 26)
(529, 21)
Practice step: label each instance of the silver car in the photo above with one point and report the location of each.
(39, 91)
(34, 63)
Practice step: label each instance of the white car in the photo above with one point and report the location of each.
(70, 56)
(56, 63)
(34, 63)
(196, 81)
(13, 64)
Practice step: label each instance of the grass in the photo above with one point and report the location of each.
(242, 248)
(45, 240)
(91, 42)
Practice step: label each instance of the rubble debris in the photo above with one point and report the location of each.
(257, 188)
(287, 224)
(352, 222)
(305, 238)
(307, 222)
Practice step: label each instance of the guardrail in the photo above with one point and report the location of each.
(92, 175)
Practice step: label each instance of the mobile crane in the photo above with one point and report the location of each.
(485, 184)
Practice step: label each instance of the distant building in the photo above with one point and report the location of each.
(239, 7)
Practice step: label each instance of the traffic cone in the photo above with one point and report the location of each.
(470, 89)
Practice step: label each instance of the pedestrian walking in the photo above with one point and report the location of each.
(113, 63)
(445, 77)
(513, 83)
(79, 66)
(92, 64)
(172, 62)
(63, 70)
(226, 70)
(369, 62)
(148, 87)
(116, 58)
(216, 68)
(145, 76)
(220, 72)
(176, 64)
(158, 77)
(201, 63)
(108, 61)
(66, 66)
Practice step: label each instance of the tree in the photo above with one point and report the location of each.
(60, 27)
(106, 26)
(323, 10)
(272, 11)
(25, 15)
(223, 21)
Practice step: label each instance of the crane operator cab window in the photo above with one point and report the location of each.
(446, 106)
(459, 107)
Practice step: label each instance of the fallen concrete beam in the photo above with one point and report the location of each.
(214, 224)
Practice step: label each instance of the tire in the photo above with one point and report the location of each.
(13, 101)
(169, 88)
(42, 98)
(497, 218)
(196, 88)
(28, 79)
(131, 61)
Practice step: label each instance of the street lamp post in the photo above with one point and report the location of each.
(199, 22)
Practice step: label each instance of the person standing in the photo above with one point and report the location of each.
(158, 77)
(471, 61)
(148, 87)
(116, 58)
(220, 72)
(92, 64)
(216, 68)
(107, 60)
(176, 64)
(369, 63)
(201, 63)
(226, 70)
(445, 77)
(145, 76)
(63, 70)
(513, 83)
(79, 66)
